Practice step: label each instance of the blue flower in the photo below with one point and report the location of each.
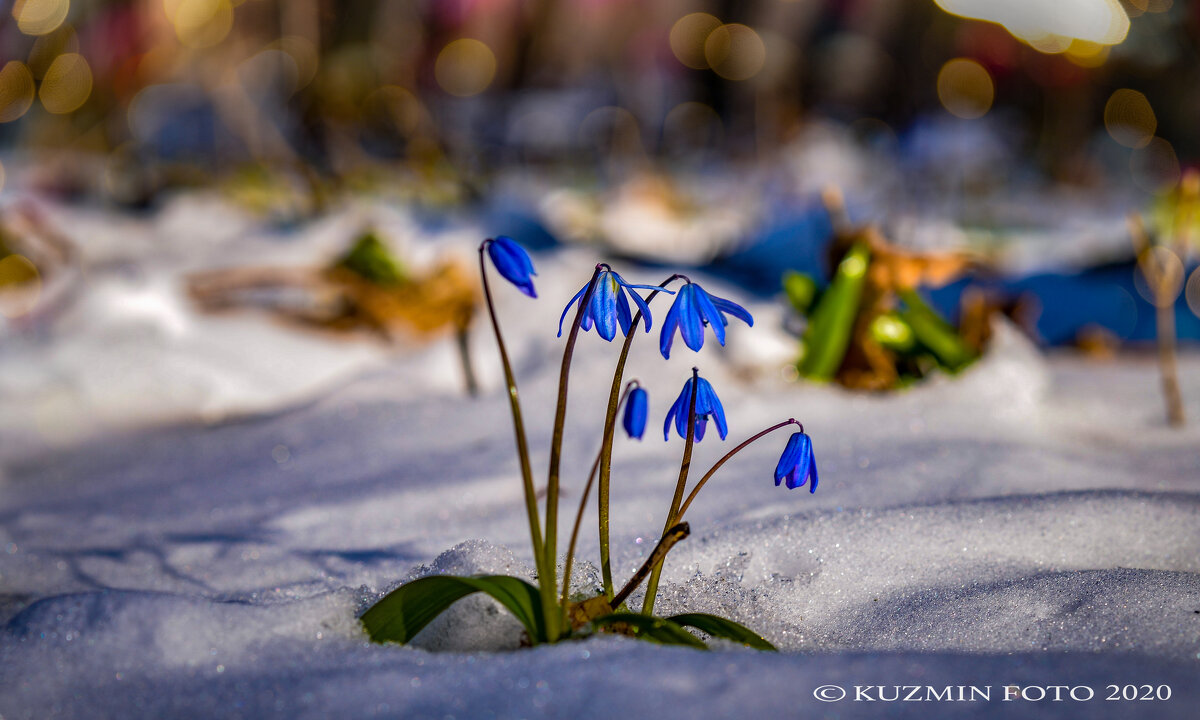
(608, 306)
(692, 310)
(797, 463)
(513, 263)
(636, 408)
(707, 404)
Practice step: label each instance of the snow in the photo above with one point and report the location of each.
(1031, 522)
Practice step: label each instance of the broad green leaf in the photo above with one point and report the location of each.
(935, 333)
(646, 627)
(403, 612)
(832, 322)
(723, 628)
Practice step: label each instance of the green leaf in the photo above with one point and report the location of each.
(800, 289)
(723, 628)
(647, 627)
(371, 260)
(951, 351)
(403, 612)
(832, 321)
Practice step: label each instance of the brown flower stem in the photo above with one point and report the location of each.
(717, 465)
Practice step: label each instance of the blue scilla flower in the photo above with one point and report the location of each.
(512, 262)
(608, 307)
(797, 463)
(707, 404)
(636, 408)
(692, 310)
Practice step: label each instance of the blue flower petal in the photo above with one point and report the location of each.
(624, 317)
(690, 326)
(787, 461)
(709, 313)
(603, 306)
(701, 423)
(568, 307)
(670, 322)
(727, 306)
(673, 413)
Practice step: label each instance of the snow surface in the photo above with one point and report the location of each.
(1032, 522)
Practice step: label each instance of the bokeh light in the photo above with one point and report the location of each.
(735, 52)
(49, 46)
(688, 37)
(1087, 54)
(1036, 21)
(465, 67)
(1155, 167)
(1170, 271)
(1129, 118)
(38, 17)
(200, 23)
(1192, 292)
(965, 88)
(20, 286)
(66, 84)
(304, 53)
(16, 90)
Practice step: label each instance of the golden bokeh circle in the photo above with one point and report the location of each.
(688, 36)
(38, 17)
(200, 23)
(1129, 118)
(66, 84)
(465, 67)
(965, 88)
(16, 90)
(735, 52)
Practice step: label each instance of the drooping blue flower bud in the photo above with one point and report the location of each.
(797, 464)
(636, 408)
(513, 263)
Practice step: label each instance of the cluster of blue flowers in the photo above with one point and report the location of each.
(692, 310)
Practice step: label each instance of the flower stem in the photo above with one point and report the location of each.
(587, 489)
(684, 467)
(606, 448)
(535, 528)
(549, 582)
(717, 465)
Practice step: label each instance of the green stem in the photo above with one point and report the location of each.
(535, 528)
(587, 489)
(550, 583)
(652, 585)
(606, 448)
(717, 465)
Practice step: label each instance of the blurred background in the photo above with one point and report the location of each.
(1050, 147)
